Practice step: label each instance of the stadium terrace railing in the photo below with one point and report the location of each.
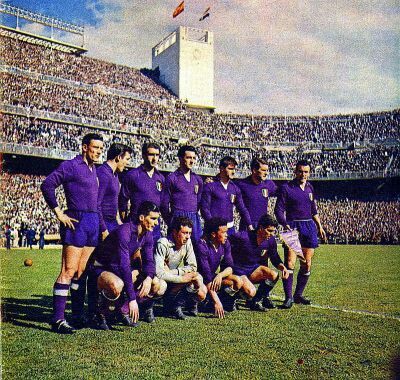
(60, 154)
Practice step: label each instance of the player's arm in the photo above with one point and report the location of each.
(123, 197)
(244, 213)
(100, 197)
(148, 266)
(49, 186)
(218, 307)
(280, 208)
(190, 262)
(165, 200)
(205, 203)
(321, 231)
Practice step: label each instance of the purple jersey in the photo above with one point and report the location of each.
(255, 197)
(107, 199)
(180, 194)
(80, 184)
(209, 259)
(138, 186)
(293, 203)
(246, 251)
(115, 253)
(218, 201)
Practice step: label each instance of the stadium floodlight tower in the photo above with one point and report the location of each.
(185, 59)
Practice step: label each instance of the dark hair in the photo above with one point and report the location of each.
(213, 225)
(302, 163)
(226, 161)
(267, 220)
(91, 136)
(186, 148)
(146, 146)
(117, 149)
(146, 208)
(257, 162)
(179, 222)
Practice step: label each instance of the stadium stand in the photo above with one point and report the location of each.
(51, 98)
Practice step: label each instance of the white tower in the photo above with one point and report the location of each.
(185, 59)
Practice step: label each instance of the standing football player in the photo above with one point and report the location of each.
(296, 208)
(79, 227)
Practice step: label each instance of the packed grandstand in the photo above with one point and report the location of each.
(51, 99)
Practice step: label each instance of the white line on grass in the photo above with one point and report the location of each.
(350, 311)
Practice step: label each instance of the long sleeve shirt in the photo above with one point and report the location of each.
(294, 203)
(218, 201)
(79, 182)
(107, 199)
(247, 252)
(210, 258)
(172, 264)
(138, 186)
(181, 194)
(255, 197)
(115, 253)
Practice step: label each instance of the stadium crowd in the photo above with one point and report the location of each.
(42, 133)
(345, 220)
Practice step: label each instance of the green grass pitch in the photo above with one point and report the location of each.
(301, 343)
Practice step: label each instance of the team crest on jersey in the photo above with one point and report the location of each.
(159, 185)
(311, 196)
(233, 198)
(263, 252)
(196, 189)
(265, 193)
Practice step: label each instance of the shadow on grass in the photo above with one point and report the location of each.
(27, 312)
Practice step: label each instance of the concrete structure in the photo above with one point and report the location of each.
(185, 59)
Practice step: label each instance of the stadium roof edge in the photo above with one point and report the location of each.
(41, 40)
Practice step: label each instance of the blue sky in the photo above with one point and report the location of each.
(271, 57)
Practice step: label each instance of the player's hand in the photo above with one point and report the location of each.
(284, 273)
(188, 277)
(219, 310)
(133, 311)
(104, 234)
(322, 234)
(67, 221)
(145, 287)
(216, 283)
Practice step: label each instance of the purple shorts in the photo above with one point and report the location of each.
(86, 233)
(245, 270)
(308, 234)
(111, 225)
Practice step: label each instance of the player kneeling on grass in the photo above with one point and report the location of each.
(250, 251)
(176, 266)
(117, 273)
(213, 252)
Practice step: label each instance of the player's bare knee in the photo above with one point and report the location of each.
(201, 295)
(162, 288)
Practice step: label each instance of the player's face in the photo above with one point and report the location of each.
(268, 232)
(93, 151)
(182, 236)
(188, 160)
(221, 235)
(261, 173)
(302, 173)
(123, 162)
(229, 171)
(149, 221)
(151, 158)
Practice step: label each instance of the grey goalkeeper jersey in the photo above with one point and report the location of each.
(171, 264)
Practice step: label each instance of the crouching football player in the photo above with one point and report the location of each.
(117, 274)
(250, 251)
(176, 267)
(213, 251)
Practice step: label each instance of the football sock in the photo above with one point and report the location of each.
(288, 285)
(302, 279)
(60, 295)
(92, 293)
(78, 293)
(269, 285)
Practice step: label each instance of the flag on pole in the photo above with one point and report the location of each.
(291, 239)
(179, 9)
(205, 14)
